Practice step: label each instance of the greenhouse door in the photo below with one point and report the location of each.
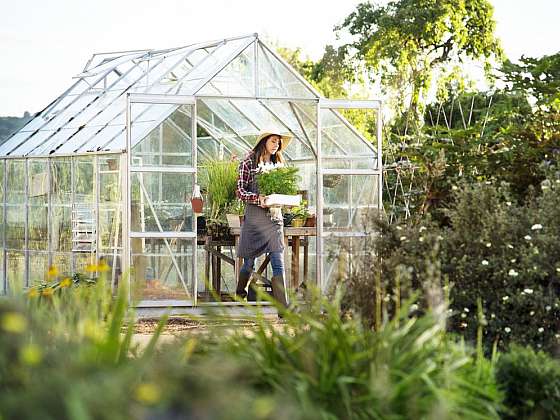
(349, 172)
(160, 223)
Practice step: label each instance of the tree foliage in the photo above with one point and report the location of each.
(405, 41)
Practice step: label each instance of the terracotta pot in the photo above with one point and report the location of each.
(311, 221)
(197, 204)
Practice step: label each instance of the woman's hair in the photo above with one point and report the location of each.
(259, 150)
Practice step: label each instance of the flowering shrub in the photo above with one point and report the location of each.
(503, 253)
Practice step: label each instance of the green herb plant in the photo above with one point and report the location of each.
(282, 180)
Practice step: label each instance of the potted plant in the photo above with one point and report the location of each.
(219, 179)
(235, 213)
(279, 183)
(300, 214)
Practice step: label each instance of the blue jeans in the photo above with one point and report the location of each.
(276, 261)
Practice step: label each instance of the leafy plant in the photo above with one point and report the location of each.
(283, 180)
(531, 383)
(219, 179)
(236, 207)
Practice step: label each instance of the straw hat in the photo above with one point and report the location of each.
(285, 137)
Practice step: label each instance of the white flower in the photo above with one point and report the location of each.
(413, 307)
(484, 262)
(528, 291)
(508, 203)
(505, 298)
(440, 238)
(488, 183)
(422, 229)
(532, 313)
(464, 325)
(513, 273)
(488, 244)
(463, 315)
(541, 329)
(512, 260)
(527, 237)
(507, 329)
(402, 238)
(510, 246)
(399, 228)
(536, 227)
(421, 239)
(558, 269)
(492, 316)
(454, 187)
(547, 307)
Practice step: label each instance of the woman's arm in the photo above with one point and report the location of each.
(243, 180)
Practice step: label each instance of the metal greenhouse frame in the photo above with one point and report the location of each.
(105, 171)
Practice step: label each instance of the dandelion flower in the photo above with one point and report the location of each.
(67, 282)
(536, 227)
(47, 291)
(53, 272)
(13, 322)
(31, 354)
(32, 293)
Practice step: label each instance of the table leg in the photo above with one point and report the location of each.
(207, 268)
(218, 279)
(305, 260)
(295, 261)
(286, 272)
(238, 260)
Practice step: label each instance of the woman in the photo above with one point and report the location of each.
(260, 233)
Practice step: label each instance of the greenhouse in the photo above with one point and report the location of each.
(101, 179)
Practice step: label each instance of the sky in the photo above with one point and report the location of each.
(44, 43)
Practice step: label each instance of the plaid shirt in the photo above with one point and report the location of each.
(246, 179)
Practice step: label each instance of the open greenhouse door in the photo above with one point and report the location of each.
(160, 225)
(349, 187)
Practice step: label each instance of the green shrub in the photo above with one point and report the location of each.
(531, 384)
(219, 179)
(504, 253)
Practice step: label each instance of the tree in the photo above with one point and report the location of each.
(406, 41)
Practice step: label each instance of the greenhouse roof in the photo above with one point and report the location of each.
(91, 115)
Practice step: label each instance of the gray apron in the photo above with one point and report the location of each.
(259, 233)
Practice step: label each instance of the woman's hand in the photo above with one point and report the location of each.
(262, 200)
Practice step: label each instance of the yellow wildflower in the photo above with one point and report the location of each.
(103, 267)
(148, 393)
(31, 354)
(14, 322)
(53, 272)
(67, 282)
(32, 293)
(47, 291)
(91, 268)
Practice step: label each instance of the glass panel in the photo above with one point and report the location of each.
(33, 143)
(162, 269)
(38, 267)
(13, 142)
(38, 182)
(348, 202)
(84, 179)
(15, 270)
(275, 80)
(237, 78)
(15, 227)
(63, 263)
(110, 224)
(16, 181)
(109, 179)
(168, 144)
(61, 229)
(342, 256)
(161, 200)
(2, 282)
(337, 136)
(38, 232)
(61, 181)
(350, 162)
